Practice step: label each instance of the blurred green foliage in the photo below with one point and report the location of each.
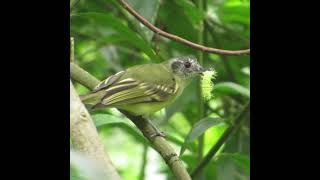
(108, 39)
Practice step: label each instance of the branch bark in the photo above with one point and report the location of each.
(159, 143)
(84, 135)
(176, 38)
(82, 76)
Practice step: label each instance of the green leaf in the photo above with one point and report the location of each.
(243, 161)
(111, 26)
(147, 9)
(232, 88)
(235, 12)
(198, 129)
(72, 2)
(104, 120)
(190, 10)
(177, 22)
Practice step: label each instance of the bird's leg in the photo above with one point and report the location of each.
(158, 132)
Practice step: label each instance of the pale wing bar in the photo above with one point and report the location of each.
(108, 82)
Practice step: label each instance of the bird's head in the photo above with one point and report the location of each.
(185, 67)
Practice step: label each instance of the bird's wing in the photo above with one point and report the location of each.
(131, 89)
(108, 82)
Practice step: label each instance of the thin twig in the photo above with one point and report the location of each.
(226, 134)
(176, 38)
(159, 143)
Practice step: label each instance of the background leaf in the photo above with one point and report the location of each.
(104, 120)
(243, 161)
(198, 129)
(116, 27)
(232, 88)
(147, 9)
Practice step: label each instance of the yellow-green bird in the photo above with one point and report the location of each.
(144, 89)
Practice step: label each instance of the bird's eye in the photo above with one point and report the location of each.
(187, 64)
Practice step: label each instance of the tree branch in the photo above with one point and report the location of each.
(84, 135)
(82, 76)
(125, 5)
(226, 134)
(159, 143)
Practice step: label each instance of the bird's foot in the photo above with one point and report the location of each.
(157, 131)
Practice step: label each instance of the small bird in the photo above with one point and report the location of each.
(144, 89)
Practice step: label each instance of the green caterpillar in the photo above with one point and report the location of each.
(207, 84)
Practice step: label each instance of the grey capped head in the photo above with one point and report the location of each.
(186, 66)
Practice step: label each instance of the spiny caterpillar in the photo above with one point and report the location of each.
(207, 84)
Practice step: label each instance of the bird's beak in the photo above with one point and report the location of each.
(200, 70)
